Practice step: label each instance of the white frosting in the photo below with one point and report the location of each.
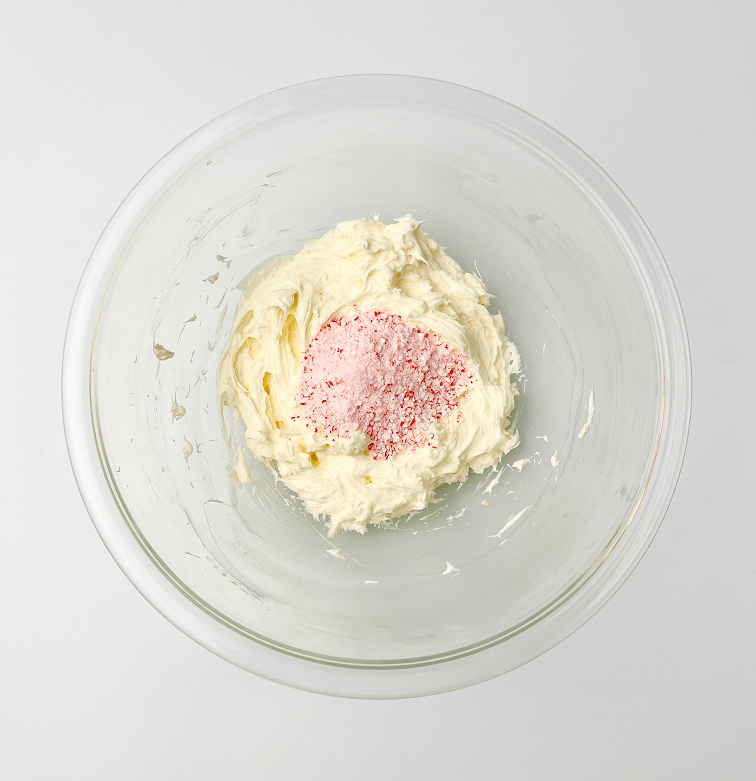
(511, 522)
(365, 264)
(493, 483)
(177, 411)
(239, 470)
(589, 422)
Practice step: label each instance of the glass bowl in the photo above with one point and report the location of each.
(493, 573)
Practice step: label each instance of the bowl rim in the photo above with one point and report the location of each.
(410, 677)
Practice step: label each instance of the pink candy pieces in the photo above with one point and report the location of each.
(372, 372)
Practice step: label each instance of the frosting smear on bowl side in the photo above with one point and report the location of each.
(368, 371)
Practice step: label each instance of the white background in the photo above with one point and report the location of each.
(94, 684)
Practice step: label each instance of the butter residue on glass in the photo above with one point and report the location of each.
(591, 412)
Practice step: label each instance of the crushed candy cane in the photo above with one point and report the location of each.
(372, 372)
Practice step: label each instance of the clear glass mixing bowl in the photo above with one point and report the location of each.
(585, 296)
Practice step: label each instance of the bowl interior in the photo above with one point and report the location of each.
(574, 300)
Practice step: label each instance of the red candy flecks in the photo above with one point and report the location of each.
(372, 372)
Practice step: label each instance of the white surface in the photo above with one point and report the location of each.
(660, 685)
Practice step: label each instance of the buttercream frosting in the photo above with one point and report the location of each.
(367, 266)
